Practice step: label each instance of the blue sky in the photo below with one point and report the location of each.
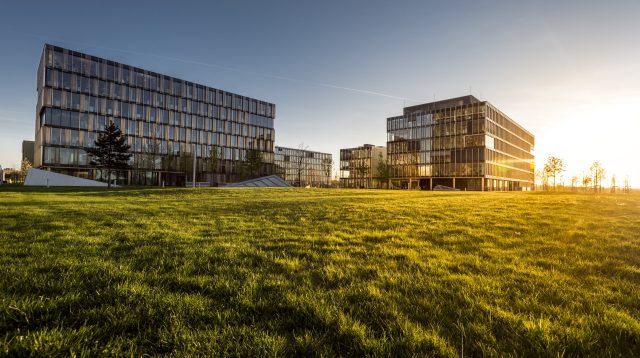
(567, 71)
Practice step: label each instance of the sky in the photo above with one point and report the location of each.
(567, 71)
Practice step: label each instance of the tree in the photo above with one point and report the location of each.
(252, 163)
(543, 178)
(574, 183)
(597, 172)
(25, 165)
(383, 171)
(213, 160)
(362, 170)
(553, 167)
(586, 180)
(110, 151)
(327, 166)
(301, 163)
(613, 183)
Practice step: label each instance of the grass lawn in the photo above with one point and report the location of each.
(272, 272)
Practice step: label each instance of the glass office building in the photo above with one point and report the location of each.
(166, 121)
(463, 143)
(358, 166)
(301, 167)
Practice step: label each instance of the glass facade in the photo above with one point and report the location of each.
(461, 142)
(358, 166)
(166, 121)
(300, 167)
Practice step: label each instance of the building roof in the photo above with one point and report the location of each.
(272, 181)
(446, 103)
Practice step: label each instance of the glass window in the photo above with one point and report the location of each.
(75, 138)
(66, 81)
(82, 157)
(110, 72)
(74, 119)
(65, 119)
(49, 157)
(57, 98)
(57, 59)
(84, 120)
(109, 107)
(94, 68)
(76, 64)
(75, 101)
(104, 88)
(55, 135)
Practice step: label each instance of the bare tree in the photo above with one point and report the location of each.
(586, 181)
(627, 187)
(362, 170)
(327, 166)
(613, 183)
(574, 183)
(597, 172)
(553, 167)
(301, 164)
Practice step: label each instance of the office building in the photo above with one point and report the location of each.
(166, 121)
(301, 167)
(359, 166)
(462, 143)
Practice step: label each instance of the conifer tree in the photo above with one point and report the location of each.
(110, 151)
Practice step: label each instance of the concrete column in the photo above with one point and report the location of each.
(430, 183)
(454, 182)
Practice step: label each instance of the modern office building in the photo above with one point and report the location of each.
(359, 166)
(301, 167)
(28, 150)
(462, 143)
(166, 121)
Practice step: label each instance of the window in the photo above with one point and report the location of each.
(57, 98)
(55, 135)
(65, 120)
(48, 78)
(66, 81)
(86, 85)
(104, 88)
(74, 119)
(49, 155)
(76, 64)
(75, 101)
(75, 138)
(57, 60)
(125, 75)
(84, 120)
(110, 72)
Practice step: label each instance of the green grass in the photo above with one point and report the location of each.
(272, 272)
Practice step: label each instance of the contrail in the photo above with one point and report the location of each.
(227, 68)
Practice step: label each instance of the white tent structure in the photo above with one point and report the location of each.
(37, 177)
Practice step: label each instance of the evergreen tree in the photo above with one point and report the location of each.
(110, 151)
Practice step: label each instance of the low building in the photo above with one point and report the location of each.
(461, 143)
(28, 150)
(301, 167)
(359, 166)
